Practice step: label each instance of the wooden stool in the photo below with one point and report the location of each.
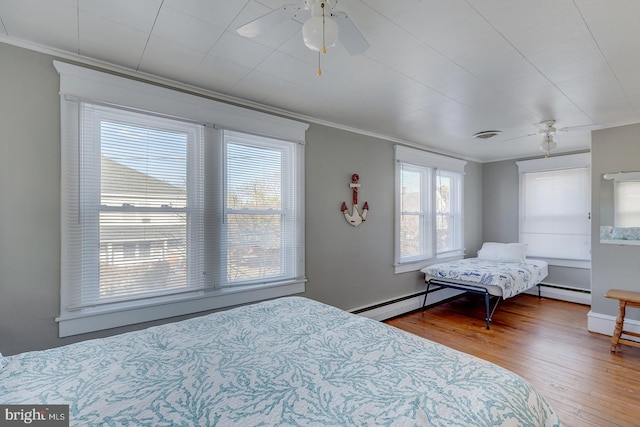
(627, 299)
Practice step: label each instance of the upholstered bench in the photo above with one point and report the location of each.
(627, 299)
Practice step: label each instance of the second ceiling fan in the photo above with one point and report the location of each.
(547, 130)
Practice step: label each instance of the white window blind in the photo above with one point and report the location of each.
(261, 214)
(140, 206)
(627, 203)
(555, 212)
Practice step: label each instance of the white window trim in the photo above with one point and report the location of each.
(571, 161)
(120, 91)
(78, 83)
(405, 154)
(217, 299)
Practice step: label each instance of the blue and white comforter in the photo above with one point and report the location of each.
(291, 361)
(512, 277)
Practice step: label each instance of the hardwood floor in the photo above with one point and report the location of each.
(545, 341)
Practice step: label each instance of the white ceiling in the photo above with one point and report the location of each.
(436, 71)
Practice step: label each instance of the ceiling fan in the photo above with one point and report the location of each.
(322, 24)
(547, 130)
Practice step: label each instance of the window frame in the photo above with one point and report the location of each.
(431, 164)
(78, 84)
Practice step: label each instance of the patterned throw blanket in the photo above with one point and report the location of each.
(512, 277)
(290, 361)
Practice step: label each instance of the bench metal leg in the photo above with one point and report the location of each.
(476, 289)
(425, 295)
(486, 306)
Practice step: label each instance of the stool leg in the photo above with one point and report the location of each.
(619, 324)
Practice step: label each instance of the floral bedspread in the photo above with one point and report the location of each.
(512, 277)
(291, 361)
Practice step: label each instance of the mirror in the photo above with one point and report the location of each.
(620, 208)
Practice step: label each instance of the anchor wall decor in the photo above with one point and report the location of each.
(355, 218)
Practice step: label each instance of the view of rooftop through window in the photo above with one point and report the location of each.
(143, 221)
(146, 201)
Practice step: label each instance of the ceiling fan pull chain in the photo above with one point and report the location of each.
(324, 47)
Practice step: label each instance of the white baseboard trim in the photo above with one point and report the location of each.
(605, 324)
(393, 309)
(564, 294)
(386, 309)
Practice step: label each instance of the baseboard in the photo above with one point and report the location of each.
(579, 296)
(398, 306)
(605, 324)
(387, 309)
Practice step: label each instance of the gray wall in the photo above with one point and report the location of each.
(29, 200)
(500, 207)
(473, 208)
(612, 266)
(346, 266)
(350, 266)
(353, 266)
(500, 213)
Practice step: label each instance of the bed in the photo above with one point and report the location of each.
(498, 272)
(291, 361)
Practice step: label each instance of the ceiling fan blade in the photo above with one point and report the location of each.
(349, 35)
(582, 128)
(268, 21)
(518, 137)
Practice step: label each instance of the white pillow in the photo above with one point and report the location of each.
(503, 252)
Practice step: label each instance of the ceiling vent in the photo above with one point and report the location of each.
(486, 134)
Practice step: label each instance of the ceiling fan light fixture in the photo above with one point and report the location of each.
(320, 31)
(548, 144)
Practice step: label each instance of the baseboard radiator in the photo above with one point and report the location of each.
(563, 293)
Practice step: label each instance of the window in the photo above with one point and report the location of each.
(140, 208)
(626, 201)
(415, 213)
(448, 212)
(429, 208)
(260, 218)
(164, 216)
(555, 199)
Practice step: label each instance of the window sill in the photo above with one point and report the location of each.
(81, 323)
(419, 265)
(571, 263)
(620, 242)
